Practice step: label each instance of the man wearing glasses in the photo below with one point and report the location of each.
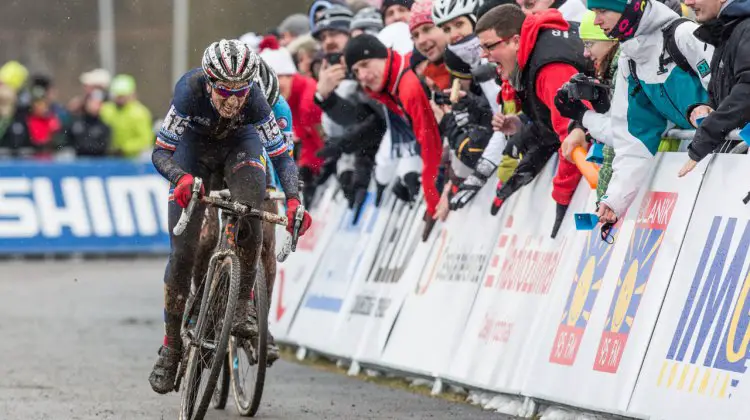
(537, 54)
(218, 124)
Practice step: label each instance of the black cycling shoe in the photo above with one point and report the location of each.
(245, 324)
(165, 370)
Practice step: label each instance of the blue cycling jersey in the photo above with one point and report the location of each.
(192, 118)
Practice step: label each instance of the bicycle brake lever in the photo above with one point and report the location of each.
(299, 216)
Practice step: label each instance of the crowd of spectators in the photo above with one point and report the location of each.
(446, 95)
(443, 96)
(105, 119)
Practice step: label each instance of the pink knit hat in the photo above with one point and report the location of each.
(421, 13)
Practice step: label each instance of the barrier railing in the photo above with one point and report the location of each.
(653, 326)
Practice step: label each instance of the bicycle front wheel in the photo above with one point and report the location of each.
(207, 350)
(248, 358)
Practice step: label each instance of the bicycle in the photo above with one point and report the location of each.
(244, 368)
(212, 306)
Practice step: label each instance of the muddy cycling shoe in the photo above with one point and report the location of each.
(165, 369)
(245, 324)
(273, 350)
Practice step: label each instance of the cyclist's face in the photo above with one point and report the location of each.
(228, 105)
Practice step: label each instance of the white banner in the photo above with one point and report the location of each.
(377, 298)
(321, 306)
(696, 364)
(602, 317)
(294, 274)
(434, 313)
(498, 336)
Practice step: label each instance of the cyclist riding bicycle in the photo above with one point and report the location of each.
(219, 122)
(269, 84)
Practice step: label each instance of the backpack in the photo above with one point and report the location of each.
(670, 52)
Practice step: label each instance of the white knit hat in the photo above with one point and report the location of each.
(280, 61)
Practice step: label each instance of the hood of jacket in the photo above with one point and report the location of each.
(735, 9)
(643, 46)
(532, 25)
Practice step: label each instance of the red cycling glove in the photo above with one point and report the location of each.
(291, 209)
(184, 190)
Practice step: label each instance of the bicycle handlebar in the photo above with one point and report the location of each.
(218, 199)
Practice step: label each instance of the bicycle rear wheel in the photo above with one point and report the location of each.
(248, 358)
(207, 350)
(221, 393)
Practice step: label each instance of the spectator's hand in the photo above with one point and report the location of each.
(443, 207)
(568, 107)
(689, 166)
(438, 111)
(330, 77)
(576, 138)
(699, 112)
(606, 214)
(506, 124)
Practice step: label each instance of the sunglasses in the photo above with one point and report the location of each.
(225, 93)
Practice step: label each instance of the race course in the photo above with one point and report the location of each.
(79, 339)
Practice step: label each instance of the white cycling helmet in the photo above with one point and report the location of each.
(444, 11)
(230, 61)
(268, 82)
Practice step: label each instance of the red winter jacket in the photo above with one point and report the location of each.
(549, 79)
(403, 94)
(306, 120)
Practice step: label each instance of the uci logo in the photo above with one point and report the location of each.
(710, 343)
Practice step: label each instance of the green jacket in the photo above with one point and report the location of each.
(132, 127)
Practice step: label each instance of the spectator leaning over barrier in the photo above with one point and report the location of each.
(385, 76)
(431, 42)
(467, 127)
(88, 134)
(604, 52)
(458, 20)
(292, 27)
(129, 119)
(299, 92)
(349, 116)
(726, 26)
(537, 54)
(663, 72)
(571, 10)
(396, 11)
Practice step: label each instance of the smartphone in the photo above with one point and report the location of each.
(334, 58)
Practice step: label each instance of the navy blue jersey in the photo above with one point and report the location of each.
(191, 109)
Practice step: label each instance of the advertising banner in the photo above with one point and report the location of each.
(593, 346)
(86, 206)
(696, 363)
(434, 313)
(371, 297)
(294, 274)
(322, 304)
(499, 334)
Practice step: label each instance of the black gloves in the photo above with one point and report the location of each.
(568, 107)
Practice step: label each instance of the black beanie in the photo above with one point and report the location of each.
(388, 3)
(363, 47)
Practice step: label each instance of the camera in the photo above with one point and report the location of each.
(334, 58)
(441, 98)
(585, 88)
